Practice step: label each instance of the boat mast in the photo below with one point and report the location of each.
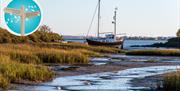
(99, 16)
(114, 22)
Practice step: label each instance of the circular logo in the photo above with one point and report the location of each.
(22, 17)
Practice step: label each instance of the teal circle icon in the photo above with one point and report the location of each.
(22, 17)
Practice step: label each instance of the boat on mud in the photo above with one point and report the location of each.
(110, 38)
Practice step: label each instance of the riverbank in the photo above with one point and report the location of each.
(119, 80)
(112, 64)
(32, 59)
(62, 59)
(162, 82)
(153, 82)
(171, 43)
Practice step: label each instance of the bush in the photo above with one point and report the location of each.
(42, 35)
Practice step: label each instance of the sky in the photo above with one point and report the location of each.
(134, 17)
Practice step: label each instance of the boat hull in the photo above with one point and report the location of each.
(118, 44)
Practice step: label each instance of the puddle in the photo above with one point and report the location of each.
(100, 61)
(109, 80)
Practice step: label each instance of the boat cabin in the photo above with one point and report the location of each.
(109, 38)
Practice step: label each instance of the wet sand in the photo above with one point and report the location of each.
(154, 82)
(112, 65)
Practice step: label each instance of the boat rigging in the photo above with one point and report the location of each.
(110, 39)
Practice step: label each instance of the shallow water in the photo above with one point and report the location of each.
(128, 43)
(126, 58)
(110, 80)
(146, 58)
(100, 61)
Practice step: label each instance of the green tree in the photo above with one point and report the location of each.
(178, 33)
(47, 35)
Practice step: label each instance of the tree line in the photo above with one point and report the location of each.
(43, 34)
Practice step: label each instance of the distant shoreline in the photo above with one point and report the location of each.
(171, 43)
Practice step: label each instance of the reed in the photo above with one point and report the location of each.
(19, 54)
(172, 82)
(3, 82)
(23, 62)
(70, 46)
(62, 56)
(52, 53)
(172, 52)
(12, 71)
(88, 52)
(25, 57)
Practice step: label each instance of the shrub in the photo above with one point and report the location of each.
(44, 34)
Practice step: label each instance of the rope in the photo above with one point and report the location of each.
(92, 21)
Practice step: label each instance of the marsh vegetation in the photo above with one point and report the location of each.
(27, 61)
(172, 82)
(25, 58)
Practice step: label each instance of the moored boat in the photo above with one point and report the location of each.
(107, 41)
(110, 39)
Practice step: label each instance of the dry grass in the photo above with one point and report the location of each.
(12, 71)
(172, 82)
(3, 82)
(54, 52)
(62, 56)
(70, 46)
(24, 61)
(36, 55)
